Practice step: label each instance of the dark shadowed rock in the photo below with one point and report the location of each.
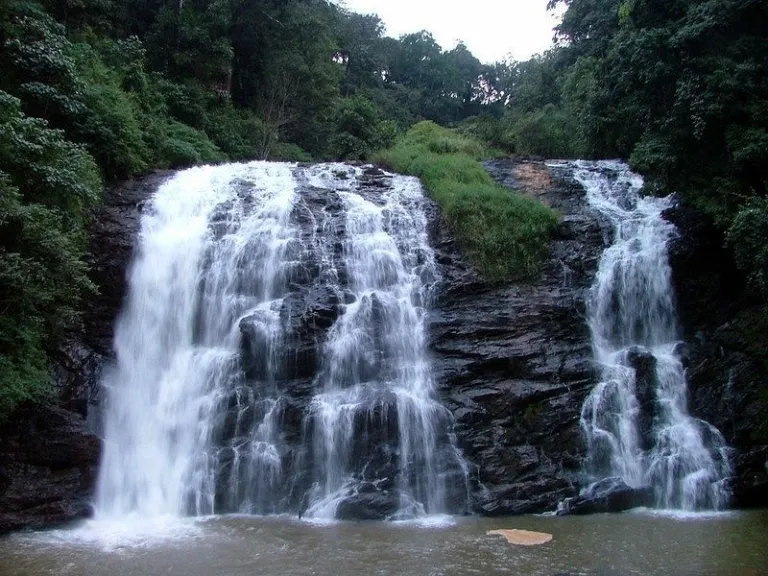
(368, 505)
(48, 463)
(607, 495)
(644, 364)
(726, 335)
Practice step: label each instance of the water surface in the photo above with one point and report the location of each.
(647, 543)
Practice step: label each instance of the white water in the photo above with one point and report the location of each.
(646, 437)
(177, 339)
(377, 372)
(190, 431)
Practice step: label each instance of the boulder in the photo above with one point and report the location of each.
(368, 505)
(607, 495)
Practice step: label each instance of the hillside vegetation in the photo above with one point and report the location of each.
(677, 87)
(504, 233)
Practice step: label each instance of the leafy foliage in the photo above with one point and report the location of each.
(748, 236)
(47, 187)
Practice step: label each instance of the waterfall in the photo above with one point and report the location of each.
(636, 420)
(376, 368)
(271, 352)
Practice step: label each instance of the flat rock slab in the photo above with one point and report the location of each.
(522, 537)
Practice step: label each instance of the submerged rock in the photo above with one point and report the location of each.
(607, 495)
(522, 537)
(368, 506)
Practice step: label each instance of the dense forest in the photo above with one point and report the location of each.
(93, 91)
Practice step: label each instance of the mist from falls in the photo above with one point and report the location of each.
(636, 419)
(271, 355)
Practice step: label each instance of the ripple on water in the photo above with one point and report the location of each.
(687, 515)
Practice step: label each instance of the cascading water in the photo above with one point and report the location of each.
(636, 420)
(377, 386)
(271, 353)
(209, 254)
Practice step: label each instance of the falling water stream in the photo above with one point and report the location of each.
(636, 419)
(202, 404)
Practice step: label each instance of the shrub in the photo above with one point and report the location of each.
(110, 125)
(505, 234)
(545, 132)
(47, 188)
(748, 236)
(237, 132)
(184, 146)
(486, 128)
(287, 152)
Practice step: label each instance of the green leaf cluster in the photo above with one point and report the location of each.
(47, 187)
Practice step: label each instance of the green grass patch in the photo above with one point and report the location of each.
(503, 233)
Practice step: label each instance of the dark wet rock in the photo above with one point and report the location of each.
(514, 363)
(368, 505)
(48, 463)
(373, 171)
(113, 233)
(726, 336)
(607, 495)
(644, 364)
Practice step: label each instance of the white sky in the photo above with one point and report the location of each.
(491, 29)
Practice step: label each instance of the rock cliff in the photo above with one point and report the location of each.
(726, 335)
(513, 363)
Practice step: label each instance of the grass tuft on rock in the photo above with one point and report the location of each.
(503, 233)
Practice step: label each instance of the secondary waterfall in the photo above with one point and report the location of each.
(271, 354)
(636, 419)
